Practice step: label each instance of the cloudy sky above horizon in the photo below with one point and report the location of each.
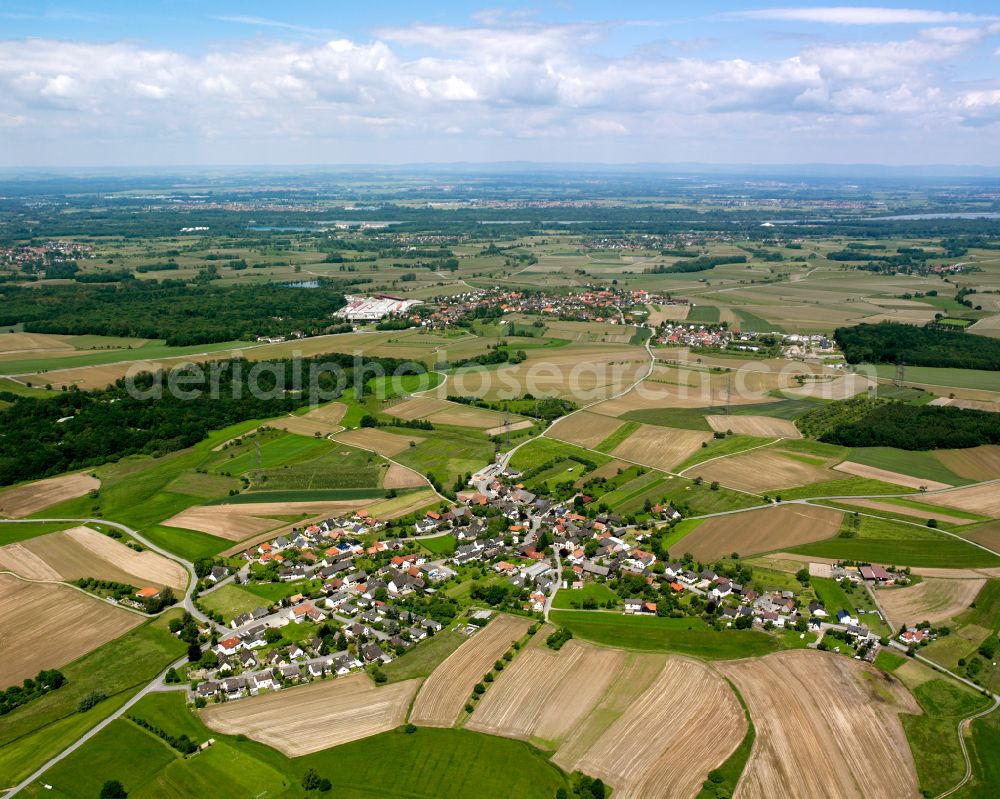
(95, 82)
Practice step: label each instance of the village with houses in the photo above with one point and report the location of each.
(371, 592)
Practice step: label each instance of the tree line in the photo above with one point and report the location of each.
(172, 310)
(891, 342)
(40, 437)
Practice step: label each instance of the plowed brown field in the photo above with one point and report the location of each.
(30, 498)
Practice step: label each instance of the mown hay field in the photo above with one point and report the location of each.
(304, 719)
(761, 426)
(544, 694)
(934, 600)
(241, 521)
(886, 476)
(762, 470)
(763, 530)
(438, 411)
(983, 499)
(825, 725)
(381, 442)
(686, 723)
(584, 429)
(660, 447)
(45, 626)
(445, 692)
(84, 552)
(23, 500)
(977, 463)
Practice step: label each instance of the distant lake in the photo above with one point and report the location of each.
(955, 215)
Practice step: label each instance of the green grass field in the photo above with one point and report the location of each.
(984, 752)
(230, 600)
(889, 542)
(423, 658)
(568, 598)
(887, 660)
(847, 487)
(916, 464)
(341, 467)
(617, 437)
(427, 764)
(717, 447)
(448, 454)
(688, 636)
(703, 314)
(35, 732)
(188, 544)
(299, 495)
(276, 449)
(440, 545)
(543, 450)
(22, 531)
(933, 736)
(938, 376)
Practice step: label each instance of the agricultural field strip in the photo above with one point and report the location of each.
(445, 692)
(358, 445)
(306, 719)
(732, 454)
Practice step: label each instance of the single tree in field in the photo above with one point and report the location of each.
(113, 789)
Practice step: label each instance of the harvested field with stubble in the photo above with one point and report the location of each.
(398, 476)
(982, 499)
(82, 552)
(932, 600)
(839, 388)
(378, 441)
(449, 687)
(300, 720)
(509, 428)
(903, 510)
(584, 429)
(45, 626)
(323, 420)
(438, 411)
(762, 530)
(660, 447)
(761, 470)
(667, 313)
(543, 695)
(684, 725)
(762, 426)
(825, 724)
(30, 498)
(242, 521)
(873, 473)
(977, 463)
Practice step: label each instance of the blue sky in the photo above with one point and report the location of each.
(116, 83)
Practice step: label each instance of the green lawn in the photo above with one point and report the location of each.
(440, 545)
(35, 732)
(22, 531)
(599, 592)
(922, 465)
(424, 657)
(887, 660)
(687, 636)
(230, 600)
(678, 532)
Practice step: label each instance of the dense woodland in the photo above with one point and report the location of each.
(171, 310)
(889, 342)
(101, 426)
(882, 423)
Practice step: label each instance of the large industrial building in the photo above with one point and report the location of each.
(374, 309)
